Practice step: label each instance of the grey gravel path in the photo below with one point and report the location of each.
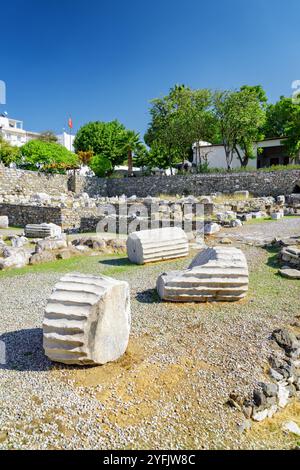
(169, 389)
(265, 231)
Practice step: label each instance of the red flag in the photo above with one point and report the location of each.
(70, 123)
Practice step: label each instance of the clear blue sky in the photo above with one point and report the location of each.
(100, 60)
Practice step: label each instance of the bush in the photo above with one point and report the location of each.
(100, 165)
(47, 156)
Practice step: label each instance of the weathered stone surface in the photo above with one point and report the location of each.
(215, 274)
(14, 258)
(42, 257)
(290, 273)
(42, 230)
(277, 215)
(18, 242)
(291, 427)
(87, 320)
(286, 339)
(259, 183)
(51, 244)
(4, 221)
(158, 244)
(244, 194)
(260, 415)
(210, 228)
(280, 200)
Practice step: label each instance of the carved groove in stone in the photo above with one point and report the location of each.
(159, 244)
(42, 230)
(215, 274)
(87, 320)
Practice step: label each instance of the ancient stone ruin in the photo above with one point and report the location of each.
(215, 274)
(3, 221)
(147, 246)
(87, 320)
(42, 230)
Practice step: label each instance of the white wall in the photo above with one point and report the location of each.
(67, 140)
(216, 157)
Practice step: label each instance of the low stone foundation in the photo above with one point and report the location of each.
(21, 215)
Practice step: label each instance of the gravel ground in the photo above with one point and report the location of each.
(265, 231)
(169, 390)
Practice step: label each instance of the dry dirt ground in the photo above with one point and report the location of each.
(169, 390)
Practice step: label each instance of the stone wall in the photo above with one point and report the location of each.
(19, 215)
(258, 183)
(30, 182)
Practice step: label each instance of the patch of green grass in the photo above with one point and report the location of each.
(109, 264)
(268, 219)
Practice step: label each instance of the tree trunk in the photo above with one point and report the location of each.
(129, 162)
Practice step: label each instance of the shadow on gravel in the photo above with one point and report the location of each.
(116, 262)
(149, 296)
(23, 350)
(273, 260)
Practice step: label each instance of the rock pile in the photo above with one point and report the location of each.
(284, 370)
(291, 255)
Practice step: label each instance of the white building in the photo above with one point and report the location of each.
(67, 140)
(12, 131)
(273, 153)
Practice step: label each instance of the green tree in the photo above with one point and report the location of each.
(132, 147)
(47, 156)
(241, 116)
(292, 133)
(100, 165)
(8, 153)
(283, 121)
(278, 117)
(178, 120)
(105, 139)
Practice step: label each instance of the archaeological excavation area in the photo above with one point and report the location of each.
(155, 315)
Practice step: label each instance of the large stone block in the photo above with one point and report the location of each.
(215, 274)
(3, 221)
(42, 230)
(87, 320)
(157, 245)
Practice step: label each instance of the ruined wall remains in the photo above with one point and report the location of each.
(29, 182)
(258, 183)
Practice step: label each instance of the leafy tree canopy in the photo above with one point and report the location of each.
(8, 153)
(47, 156)
(177, 121)
(100, 165)
(241, 115)
(279, 117)
(102, 138)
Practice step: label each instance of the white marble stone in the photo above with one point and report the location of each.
(159, 244)
(42, 230)
(87, 320)
(215, 274)
(4, 221)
